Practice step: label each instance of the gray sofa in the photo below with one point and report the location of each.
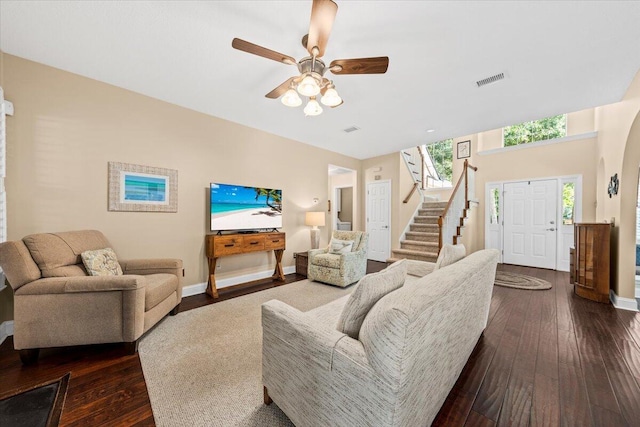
(57, 304)
(410, 351)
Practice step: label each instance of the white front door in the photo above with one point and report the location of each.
(379, 219)
(530, 229)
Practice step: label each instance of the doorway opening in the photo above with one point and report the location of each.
(343, 198)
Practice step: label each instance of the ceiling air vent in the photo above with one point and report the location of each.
(490, 80)
(351, 129)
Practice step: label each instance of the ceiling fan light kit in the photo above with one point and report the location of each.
(312, 108)
(291, 98)
(309, 86)
(311, 81)
(330, 98)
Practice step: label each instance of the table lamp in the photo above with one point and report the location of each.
(315, 219)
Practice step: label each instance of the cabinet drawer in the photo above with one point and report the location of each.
(253, 243)
(227, 245)
(274, 241)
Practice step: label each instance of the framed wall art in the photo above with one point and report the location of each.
(464, 149)
(137, 188)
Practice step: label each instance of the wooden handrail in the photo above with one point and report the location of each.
(413, 190)
(466, 198)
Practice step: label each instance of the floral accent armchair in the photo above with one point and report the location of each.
(340, 269)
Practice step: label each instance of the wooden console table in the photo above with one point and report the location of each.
(218, 246)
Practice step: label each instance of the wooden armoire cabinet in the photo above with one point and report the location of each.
(591, 261)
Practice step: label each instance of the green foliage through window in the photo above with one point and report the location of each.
(537, 130)
(568, 200)
(442, 156)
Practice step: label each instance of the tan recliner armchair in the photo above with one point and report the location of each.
(57, 304)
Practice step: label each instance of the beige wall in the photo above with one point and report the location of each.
(619, 152)
(67, 127)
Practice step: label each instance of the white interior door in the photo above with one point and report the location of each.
(530, 229)
(379, 219)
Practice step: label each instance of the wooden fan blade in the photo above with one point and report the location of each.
(280, 90)
(254, 49)
(323, 13)
(376, 65)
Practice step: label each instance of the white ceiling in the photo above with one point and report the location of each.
(558, 57)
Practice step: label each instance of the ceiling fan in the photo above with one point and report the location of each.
(311, 80)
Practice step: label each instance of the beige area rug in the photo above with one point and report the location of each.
(203, 367)
(520, 281)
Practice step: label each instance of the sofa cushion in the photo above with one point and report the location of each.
(17, 264)
(368, 291)
(157, 288)
(51, 251)
(450, 254)
(419, 268)
(101, 262)
(337, 246)
(327, 260)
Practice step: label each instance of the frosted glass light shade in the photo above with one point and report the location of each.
(331, 98)
(308, 87)
(312, 108)
(291, 99)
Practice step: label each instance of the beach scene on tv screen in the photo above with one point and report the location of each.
(235, 207)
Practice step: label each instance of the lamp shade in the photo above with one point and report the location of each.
(308, 86)
(312, 108)
(291, 98)
(331, 98)
(314, 219)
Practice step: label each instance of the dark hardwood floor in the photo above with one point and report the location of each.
(546, 358)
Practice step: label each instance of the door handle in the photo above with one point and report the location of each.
(551, 229)
(385, 226)
(552, 222)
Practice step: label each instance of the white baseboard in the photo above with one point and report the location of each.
(200, 288)
(623, 303)
(6, 330)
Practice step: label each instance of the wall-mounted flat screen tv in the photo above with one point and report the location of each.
(238, 207)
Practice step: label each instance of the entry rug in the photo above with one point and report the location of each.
(36, 406)
(520, 281)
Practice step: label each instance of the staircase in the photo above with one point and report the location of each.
(436, 222)
(422, 240)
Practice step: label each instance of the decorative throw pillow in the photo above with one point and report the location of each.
(101, 262)
(450, 254)
(369, 290)
(340, 246)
